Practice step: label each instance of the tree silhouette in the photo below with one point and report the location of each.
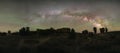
(22, 31)
(102, 30)
(95, 30)
(85, 32)
(9, 32)
(106, 29)
(91, 34)
(27, 30)
(72, 34)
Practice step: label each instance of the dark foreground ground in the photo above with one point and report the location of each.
(61, 43)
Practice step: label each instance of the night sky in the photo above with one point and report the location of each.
(80, 15)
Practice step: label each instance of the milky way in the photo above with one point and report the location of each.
(75, 14)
